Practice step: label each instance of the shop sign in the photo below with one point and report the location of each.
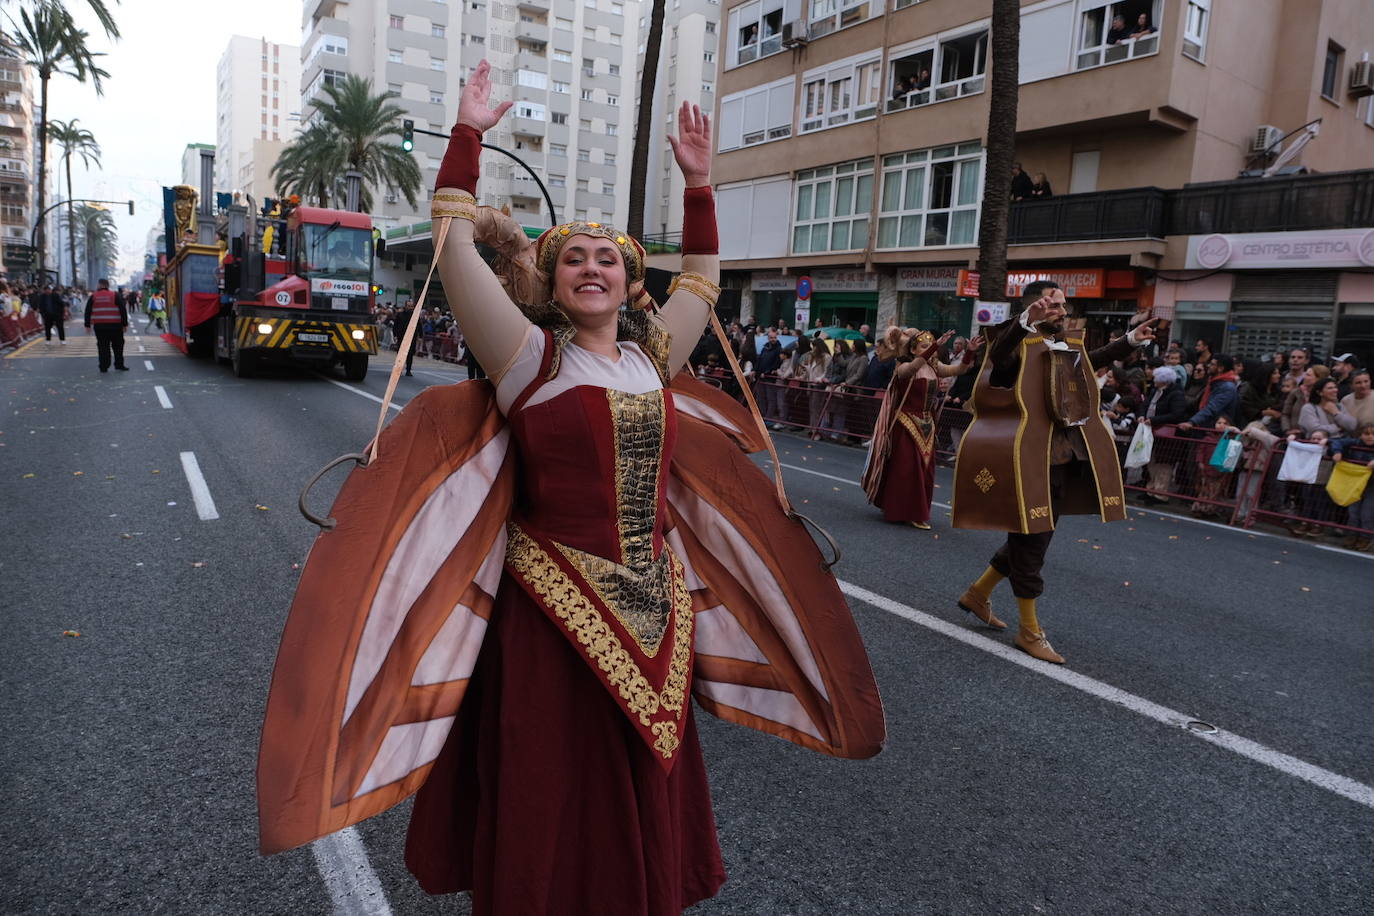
(772, 283)
(1200, 308)
(843, 281)
(1084, 284)
(1318, 249)
(927, 279)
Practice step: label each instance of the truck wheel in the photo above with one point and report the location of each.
(244, 363)
(355, 367)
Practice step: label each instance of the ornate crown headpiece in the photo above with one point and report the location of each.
(551, 242)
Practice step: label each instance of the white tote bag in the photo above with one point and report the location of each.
(1142, 444)
(1301, 460)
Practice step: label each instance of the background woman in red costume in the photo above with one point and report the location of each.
(900, 475)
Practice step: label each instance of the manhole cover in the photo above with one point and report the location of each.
(1205, 728)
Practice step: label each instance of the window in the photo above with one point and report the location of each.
(562, 57)
(756, 28)
(832, 207)
(930, 197)
(617, 9)
(960, 65)
(589, 4)
(613, 69)
(709, 56)
(829, 15)
(532, 79)
(584, 124)
(757, 115)
(608, 187)
(1331, 71)
(436, 63)
(845, 91)
(1195, 28)
(586, 95)
(436, 97)
(437, 31)
(612, 99)
(612, 130)
(1113, 32)
(559, 23)
(710, 28)
(583, 184)
(394, 87)
(909, 79)
(393, 56)
(532, 110)
(584, 155)
(589, 66)
(477, 39)
(558, 117)
(558, 149)
(397, 22)
(609, 158)
(707, 88)
(561, 88)
(588, 33)
(558, 181)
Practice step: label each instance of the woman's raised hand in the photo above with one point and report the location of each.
(692, 145)
(474, 108)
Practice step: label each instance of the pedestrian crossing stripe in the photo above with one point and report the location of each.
(83, 346)
(285, 333)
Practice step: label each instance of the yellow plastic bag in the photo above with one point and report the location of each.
(1347, 483)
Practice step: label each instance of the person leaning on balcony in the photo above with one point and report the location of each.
(1142, 26)
(1040, 187)
(1118, 32)
(1020, 182)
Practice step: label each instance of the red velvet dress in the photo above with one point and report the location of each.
(908, 476)
(563, 787)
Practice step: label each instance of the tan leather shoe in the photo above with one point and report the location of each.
(981, 608)
(1037, 646)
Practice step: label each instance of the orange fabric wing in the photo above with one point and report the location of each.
(387, 620)
(776, 646)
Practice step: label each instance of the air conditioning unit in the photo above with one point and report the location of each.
(1266, 138)
(1362, 79)
(794, 34)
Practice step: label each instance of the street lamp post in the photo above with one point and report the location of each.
(33, 234)
(553, 214)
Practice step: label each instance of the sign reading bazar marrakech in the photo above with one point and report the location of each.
(1318, 249)
(1087, 284)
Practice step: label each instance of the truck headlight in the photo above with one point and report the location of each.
(359, 334)
(264, 328)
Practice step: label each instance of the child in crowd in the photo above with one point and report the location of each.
(1361, 513)
(1211, 483)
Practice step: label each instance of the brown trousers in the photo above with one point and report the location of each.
(1021, 557)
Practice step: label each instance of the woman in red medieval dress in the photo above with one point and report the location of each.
(558, 767)
(899, 477)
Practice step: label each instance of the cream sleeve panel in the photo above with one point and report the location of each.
(685, 313)
(492, 325)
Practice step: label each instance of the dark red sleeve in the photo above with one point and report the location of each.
(459, 168)
(699, 222)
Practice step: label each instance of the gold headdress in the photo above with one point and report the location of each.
(551, 242)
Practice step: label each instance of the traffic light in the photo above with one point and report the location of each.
(131, 208)
(407, 135)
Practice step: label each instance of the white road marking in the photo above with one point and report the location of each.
(142, 349)
(205, 503)
(162, 397)
(348, 875)
(1344, 786)
(148, 363)
(1182, 518)
(359, 391)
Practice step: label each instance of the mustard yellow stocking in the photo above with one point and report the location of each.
(1028, 621)
(987, 582)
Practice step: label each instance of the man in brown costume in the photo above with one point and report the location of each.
(1036, 449)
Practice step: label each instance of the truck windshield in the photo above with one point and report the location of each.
(337, 252)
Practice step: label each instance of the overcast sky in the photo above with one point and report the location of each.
(159, 97)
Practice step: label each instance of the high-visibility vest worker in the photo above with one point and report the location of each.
(105, 308)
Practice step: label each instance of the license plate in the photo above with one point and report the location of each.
(339, 302)
(312, 337)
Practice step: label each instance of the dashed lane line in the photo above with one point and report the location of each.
(358, 391)
(148, 363)
(348, 876)
(162, 397)
(1335, 783)
(200, 492)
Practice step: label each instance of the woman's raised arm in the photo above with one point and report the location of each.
(493, 327)
(686, 310)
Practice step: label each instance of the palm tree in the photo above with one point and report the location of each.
(51, 43)
(81, 142)
(639, 159)
(347, 132)
(99, 239)
(1002, 104)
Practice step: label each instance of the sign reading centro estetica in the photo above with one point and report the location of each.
(1257, 250)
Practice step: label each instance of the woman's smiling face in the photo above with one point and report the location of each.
(589, 279)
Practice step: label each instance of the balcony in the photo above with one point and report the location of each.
(527, 127)
(530, 60)
(533, 6)
(13, 176)
(1339, 200)
(1133, 213)
(534, 33)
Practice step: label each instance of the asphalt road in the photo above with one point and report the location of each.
(127, 753)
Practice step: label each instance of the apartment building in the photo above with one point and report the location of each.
(687, 70)
(851, 135)
(257, 102)
(18, 150)
(569, 65)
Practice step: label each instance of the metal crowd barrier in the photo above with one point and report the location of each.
(15, 329)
